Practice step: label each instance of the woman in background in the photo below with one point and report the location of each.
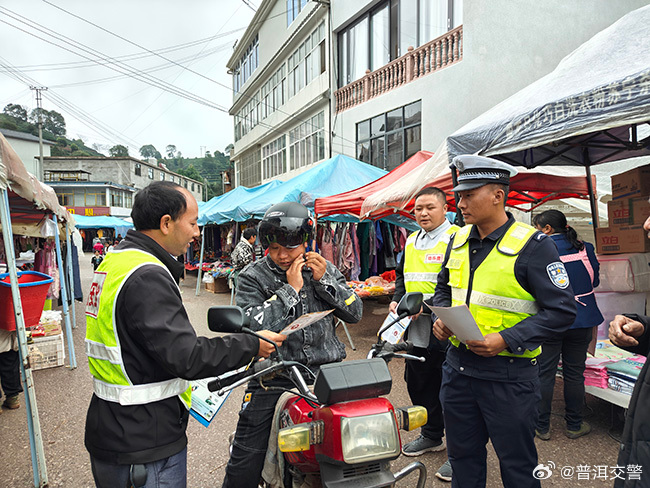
(582, 267)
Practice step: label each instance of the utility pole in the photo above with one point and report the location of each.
(38, 90)
(202, 149)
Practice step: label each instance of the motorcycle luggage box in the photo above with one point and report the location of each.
(352, 380)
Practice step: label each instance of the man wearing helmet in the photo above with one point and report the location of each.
(274, 291)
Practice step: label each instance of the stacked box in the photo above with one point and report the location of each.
(627, 213)
(46, 352)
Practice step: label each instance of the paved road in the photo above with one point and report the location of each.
(63, 396)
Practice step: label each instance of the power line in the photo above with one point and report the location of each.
(125, 57)
(249, 5)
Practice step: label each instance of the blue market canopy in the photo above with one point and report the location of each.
(335, 175)
(103, 222)
(593, 108)
(224, 208)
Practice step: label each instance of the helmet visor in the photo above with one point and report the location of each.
(288, 232)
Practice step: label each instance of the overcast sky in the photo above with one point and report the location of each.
(125, 110)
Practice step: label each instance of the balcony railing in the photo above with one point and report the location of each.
(416, 63)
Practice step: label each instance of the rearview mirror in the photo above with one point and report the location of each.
(410, 303)
(227, 319)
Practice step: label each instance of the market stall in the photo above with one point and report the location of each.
(117, 226)
(30, 208)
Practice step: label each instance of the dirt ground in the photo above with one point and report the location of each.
(63, 396)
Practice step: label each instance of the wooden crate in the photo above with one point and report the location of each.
(219, 285)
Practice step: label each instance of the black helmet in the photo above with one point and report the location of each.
(287, 223)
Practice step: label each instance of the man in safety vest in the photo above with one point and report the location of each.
(517, 289)
(142, 349)
(418, 271)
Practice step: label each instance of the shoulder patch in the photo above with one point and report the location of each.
(540, 236)
(558, 275)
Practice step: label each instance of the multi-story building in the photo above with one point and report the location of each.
(92, 185)
(27, 147)
(408, 73)
(281, 85)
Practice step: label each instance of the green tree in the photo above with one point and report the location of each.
(53, 121)
(74, 147)
(191, 172)
(171, 151)
(119, 151)
(149, 151)
(16, 111)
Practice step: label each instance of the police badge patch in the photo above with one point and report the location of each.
(557, 272)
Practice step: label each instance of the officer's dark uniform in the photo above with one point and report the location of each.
(496, 398)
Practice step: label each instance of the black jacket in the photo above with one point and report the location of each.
(635, 445)
(158, 343)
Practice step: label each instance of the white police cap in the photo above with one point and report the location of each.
(476, 171)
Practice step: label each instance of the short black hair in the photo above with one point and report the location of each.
(250, 232)
(432, 190)
(156, 200)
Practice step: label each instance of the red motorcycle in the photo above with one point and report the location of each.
(343, 433)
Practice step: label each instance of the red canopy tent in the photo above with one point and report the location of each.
(526, 188)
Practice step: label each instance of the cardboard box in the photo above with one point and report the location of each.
(633, 183)
(618, 240)
(219, 285)
(628, 211)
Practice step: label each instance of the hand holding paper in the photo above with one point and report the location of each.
(460, 321)
(304, 320)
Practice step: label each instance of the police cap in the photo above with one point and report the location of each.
(475, 171)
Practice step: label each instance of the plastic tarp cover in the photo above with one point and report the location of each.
(349, 203)
(103, 222)
(588, 103)
(335, 175)
(225, 208)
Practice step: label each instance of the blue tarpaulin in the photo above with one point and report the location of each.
(336, 175)
(103, 222)
(224, 208)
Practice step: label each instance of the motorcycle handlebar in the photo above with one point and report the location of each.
(220, 383)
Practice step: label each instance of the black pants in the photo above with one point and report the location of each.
(10, 373)
(572, 346)
(502, 411)
(423, 384)
(246, 462)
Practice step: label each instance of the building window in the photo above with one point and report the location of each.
(128, 200)
(249, 171)
(307, 142)
(117, 198)
(138, 169)
(385, 33)
(193, 187)
(246, 65)
(274, 158)
(66, 199)
(95, 199)
(171, 178)
(150, 173)
(293, 9)
(389, 139)
(307, 62)
(162, 176)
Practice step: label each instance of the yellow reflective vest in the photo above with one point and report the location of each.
(421, 266)
(110, 379)
(497, 300)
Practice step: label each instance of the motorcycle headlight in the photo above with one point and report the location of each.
(369, 437)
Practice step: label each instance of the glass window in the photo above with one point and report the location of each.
(457, 13)
(394, 119)
(138, 169)
(413, 141)
(358, 45)
(380, 38)
(363, 130)
(363, 151)
(408, 25)
(413, 113)
(377, 152)
(307, 142)
(150, 173)
(395, 154)
(377, 125)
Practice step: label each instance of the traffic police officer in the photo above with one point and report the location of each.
(517, 289)
(418, 271)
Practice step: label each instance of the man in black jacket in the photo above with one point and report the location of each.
(632, 332)
(142, 348)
